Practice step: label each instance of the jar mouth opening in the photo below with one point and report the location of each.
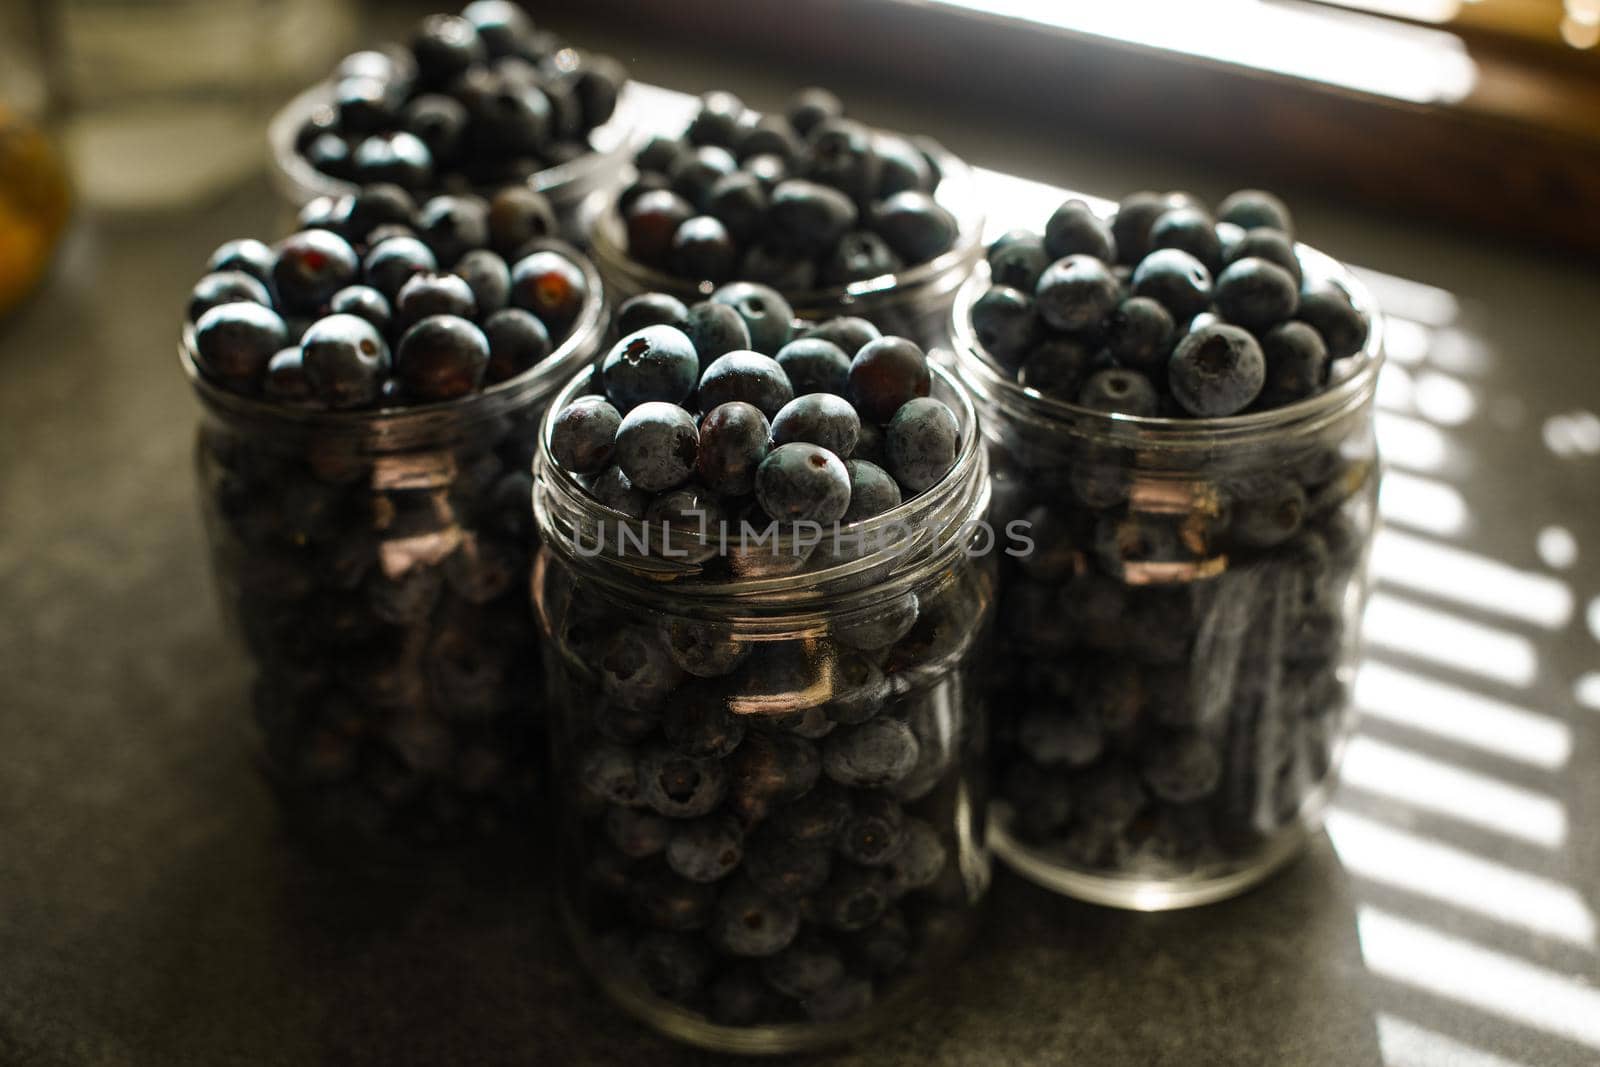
(957, 192)
(934, 519)
(541, 379)
(609, 143)
(983, 374)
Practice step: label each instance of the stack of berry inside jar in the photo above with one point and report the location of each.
(371, 394)
(474, 100)
(800, 201)
(774, 805)
(1179, 409)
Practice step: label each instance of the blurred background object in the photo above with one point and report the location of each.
(33, 186)
(162, 102)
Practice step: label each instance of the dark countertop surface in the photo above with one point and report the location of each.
(153, 911)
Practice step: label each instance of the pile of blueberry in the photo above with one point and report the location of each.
(380, 584)
(379, 303)
(800, 201)
(772, 830)
(478, 99)
(724, 412)
(1172, 664)
(1164, 309)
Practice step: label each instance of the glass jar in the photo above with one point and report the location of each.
(770, 762)
(1181, 635)
(913, 303)
(374, 567)
(567, 185)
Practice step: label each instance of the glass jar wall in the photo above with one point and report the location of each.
(1180, 638)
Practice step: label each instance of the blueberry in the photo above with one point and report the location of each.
(923, 440)
(695, 173)
(552, 287)
(766, 135)
(679, 786)
(717, 120)
(901, 166)
(364, 302)
(439, 122)
(285, 377)
(1076, 294)
(226, 287)
(706, 650)
(345, 360)
(1216, 371)
(749, 377)
(613, 489)
(823, 419)
(842, 156)
(809, 217)
(517, 341)
(657, 363)
(748, 922)
(915, 225)
(668, 902)
(396, 157)
(1138, 335)
(671, 965)
(702, 249)
(1176, 280)
(1183, 768)
(1130, 226)
(1256, 294)
(778, 268)
(739, 202)
(584, 433)
(608, 771)
(1125, 392)
(1075, 230)
(707, 849)
(1056, 368)
(770, 769)
(781, 868)
(1191, 230)
(859, 255)
(803, 483)
(714, 330)
(804, 969)
(854, 898)
(657, 446)
(453, 225)
(1265, 515)
(245, 254)
(234, 342)
(769, 170)
(637, 833)
(1017, 258)
(1269, 245)
(651, 309)
(873, 491)
(884, 947)
(814, 819)
(1255, 209)
(1329, 309)
(738, 997)
(433, 294)
(875, 831)
(815, 365)
(445, 46)
(1297, 364)
(766, 314)
(920, 859)
(502, 26)
(395, 260)
(311, 266)
(518, 215)
(885, 374)
(487, 275)
(652, 220)
(810, 107)
(733, 442)
(331, 154)
(1042, 801)
(850, 334)
(1054, 738)
(440, 358)
(1006, 324)
(876, 753)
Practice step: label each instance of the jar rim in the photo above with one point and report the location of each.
(982, 374)
(962, 495)
(417, 421)
(957, 192)
(297, 179)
